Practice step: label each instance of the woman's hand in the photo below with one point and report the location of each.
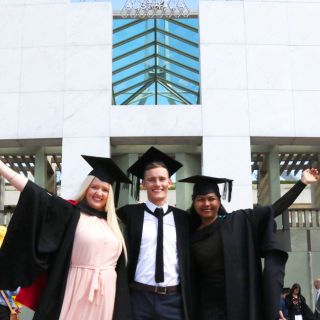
(310, 176)
(14, 178)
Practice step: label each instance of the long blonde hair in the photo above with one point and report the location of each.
(110, 209)
(3, 231)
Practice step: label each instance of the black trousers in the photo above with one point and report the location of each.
(4, 313)
(316, 315)
(153, 306)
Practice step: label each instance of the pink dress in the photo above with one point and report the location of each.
(91, 284)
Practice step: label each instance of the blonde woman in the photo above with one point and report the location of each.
(74, 250)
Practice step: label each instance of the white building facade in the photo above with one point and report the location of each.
(260, 92)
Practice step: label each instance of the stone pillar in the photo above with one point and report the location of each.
(124, 162)
(40, 168)
(269, 182)
(263, 194)
(51, 181)
(230, 157)
(74, 167)
(274, 191)
(273, 167)
(87, 94)
(191, 166)
(273, 174)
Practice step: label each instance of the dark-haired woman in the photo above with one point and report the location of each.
(296, 304)
(226, 254)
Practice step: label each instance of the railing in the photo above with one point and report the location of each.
(304, 218)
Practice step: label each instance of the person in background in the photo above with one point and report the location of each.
(283, 310)
(297, 306)
(317, 302)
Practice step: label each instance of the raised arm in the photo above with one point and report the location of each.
(14, 178)
(309, 176)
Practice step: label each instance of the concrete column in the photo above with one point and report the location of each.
(263, 195)
(230, 157)
(51, 182)
(87, 96)
(124, 162)
(273, 174)
(269, 183)
(191, 166)
(40, 168)
(273, 168)
(74, 167)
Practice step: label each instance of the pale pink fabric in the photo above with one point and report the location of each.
(91, 283)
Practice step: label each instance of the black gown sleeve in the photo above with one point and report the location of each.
(122, 214)
(122, 307)
(288, 198)
(34, 234)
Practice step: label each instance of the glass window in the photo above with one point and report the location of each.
(155, 61)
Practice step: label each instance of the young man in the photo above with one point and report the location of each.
(158, 244)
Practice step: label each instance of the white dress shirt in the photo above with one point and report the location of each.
(145, 272)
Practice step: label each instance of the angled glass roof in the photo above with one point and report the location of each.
(155, 61)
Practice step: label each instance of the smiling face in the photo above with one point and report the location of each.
(207, 207)
(97, 194)
(157, 182)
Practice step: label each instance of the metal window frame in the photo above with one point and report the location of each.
(156, 74)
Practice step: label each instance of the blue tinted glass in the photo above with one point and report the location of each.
(156, 61)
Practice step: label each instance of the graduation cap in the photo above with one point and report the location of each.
(151, 155)
(204, 185)
(106, 170)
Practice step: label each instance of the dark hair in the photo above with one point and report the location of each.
(153, 165)
(296, 286)
(195, 194)
(285, 291)
(200, 189)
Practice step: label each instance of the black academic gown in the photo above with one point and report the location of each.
(132, 216)
(252, 291)
(39, 240)
(249, 293)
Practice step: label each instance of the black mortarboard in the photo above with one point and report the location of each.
(204, 185)
(106, 170)
(151, 155)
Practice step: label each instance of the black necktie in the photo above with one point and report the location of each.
(159, 275)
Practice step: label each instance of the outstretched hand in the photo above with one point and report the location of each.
(15, 179)
(310, 176)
